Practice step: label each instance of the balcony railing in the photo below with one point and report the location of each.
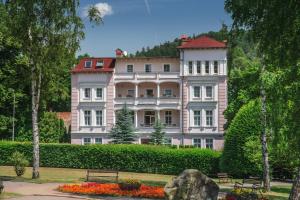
(148, 100)
(147, 76)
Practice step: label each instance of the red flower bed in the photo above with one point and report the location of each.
(113, 189)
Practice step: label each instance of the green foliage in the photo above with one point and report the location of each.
(19, 162)
(158, 136)
(170, 48)
(52, 129)
(236, 156)
(123, 131)
(130, 157)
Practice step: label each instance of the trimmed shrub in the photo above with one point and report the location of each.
(235, 158)
(19, 162)
(132, 158)
(130, 184)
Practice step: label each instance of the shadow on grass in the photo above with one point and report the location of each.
(277, 189)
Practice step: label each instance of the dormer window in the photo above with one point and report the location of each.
(88, 64)
(99, 64)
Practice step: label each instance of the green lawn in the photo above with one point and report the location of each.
(7, 195)
(64, 175)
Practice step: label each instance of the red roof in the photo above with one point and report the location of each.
(202, 42)
(108, 65)
(65, 116)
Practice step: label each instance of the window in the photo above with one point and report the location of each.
(167, 93)
(87, 93)
(167, 68)
(209, 143)
(197, 118)
(209, 118)
(130, 93)
(87, 117)
(197, 92)
(99, 64)
(99, 93)
(99, 117)
(198, 67)
(88, 64)
(168, 117)
(190, 67)
(87, 141)
(207, 67)
(129, 68)
(167, 141)
(197, 142)
(149, 93)
(148, 68)
(216, 67)
(209, 92)
(149, 118)
(98, 140)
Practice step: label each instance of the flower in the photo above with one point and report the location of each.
(113, 189)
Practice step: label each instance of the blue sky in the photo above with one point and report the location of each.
(132, 24)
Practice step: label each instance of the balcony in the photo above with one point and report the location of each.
(156, 76)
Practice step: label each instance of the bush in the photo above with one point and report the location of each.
(130, 157)
(1, 186)
(129, 184)
(242, 194)
(19, 162)
(238, 149)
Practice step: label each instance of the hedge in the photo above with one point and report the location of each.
(131, 158)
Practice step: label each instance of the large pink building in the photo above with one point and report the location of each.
(188, 94)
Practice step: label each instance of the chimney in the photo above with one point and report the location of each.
(184, 39)
(119, 53)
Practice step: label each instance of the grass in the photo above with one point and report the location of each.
(65, 175)
(8, 195)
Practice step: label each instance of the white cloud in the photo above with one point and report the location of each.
(104, 9)
(147, 7)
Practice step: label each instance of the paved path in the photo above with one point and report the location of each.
(47, 191)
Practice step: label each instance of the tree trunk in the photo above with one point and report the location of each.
(35, 89)
(265, 153)
(295, 192)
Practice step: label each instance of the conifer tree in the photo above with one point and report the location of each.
(123, 131)
(158, 136)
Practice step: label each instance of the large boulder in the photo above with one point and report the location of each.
(191, 184)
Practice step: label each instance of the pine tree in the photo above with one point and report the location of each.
(158, 136)
(123, 131)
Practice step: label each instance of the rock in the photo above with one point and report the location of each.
(1, 186)
(191, 184)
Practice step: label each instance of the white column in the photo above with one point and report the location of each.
(136, 90)
(158, 115)
(135, 119)
(158, 91)
(180, 118)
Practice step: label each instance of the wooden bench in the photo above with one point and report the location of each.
(224, 177)
(98, 173)
(255, 184)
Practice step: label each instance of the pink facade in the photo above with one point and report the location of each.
(187, 94)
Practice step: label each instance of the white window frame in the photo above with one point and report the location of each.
(88, 61)
(96, 93)
(206, 66)
(132, 93)
(197, 86)
(98, 138)
(146, 95)
(168, 89)
(212, 92)
(190, 67)
(83, 141)
(200, 118)
(149, 68)
(101, 63)
(212, 143)
(90, 118)
(212, 118)
(164, 67)
(215, 61)
(197, 144)
(101, 118)
(127, 68)
(198, 66)
(84, 93)
(168, 117)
